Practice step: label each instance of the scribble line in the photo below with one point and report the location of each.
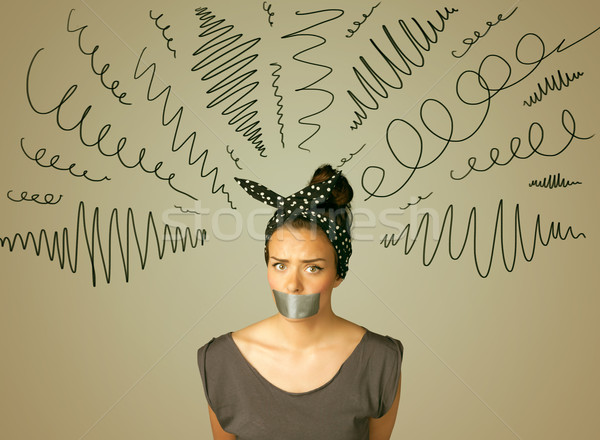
(310, 87)
(405, 69)
(279, 97)
(553, 181)
(99, 246)
(219, 47)
(554, 232)
(551, 84)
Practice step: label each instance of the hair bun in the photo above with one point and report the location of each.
(342, 192)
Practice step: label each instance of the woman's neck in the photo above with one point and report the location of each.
(308, 333)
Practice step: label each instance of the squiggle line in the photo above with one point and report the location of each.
(280, 98)
(177, 116)
(553, 181)
(61, 247)
(232, 85)
(418, 200)
(310, 87)
(553, 232)
(543, 91)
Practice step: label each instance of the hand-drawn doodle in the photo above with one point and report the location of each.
(554, 232)
(235, 159)
(419, 198)
(178, 115)
(48, 198)
(547, 87)
(187, 211)
(344, 160)
(163, 29)
(220, 50)
(62, 247)
(406, 70)
(553, 181)
(470, 41)
(491, 62)
(267, 9)
(279, 99)
(101, 134)
(534, 136)
(92, 55)
(41, 152)
(309, 87)
(358, 24)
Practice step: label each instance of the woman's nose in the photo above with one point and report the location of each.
(294, 282)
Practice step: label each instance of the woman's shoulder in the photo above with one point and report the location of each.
(378, 344)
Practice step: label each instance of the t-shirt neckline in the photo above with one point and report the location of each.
(302, 393)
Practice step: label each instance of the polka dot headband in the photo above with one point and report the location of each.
(305, 203)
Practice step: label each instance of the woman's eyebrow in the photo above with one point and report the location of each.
(312, 260)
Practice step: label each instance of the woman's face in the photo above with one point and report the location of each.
(302, 262)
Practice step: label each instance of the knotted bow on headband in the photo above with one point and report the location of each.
(306, 204)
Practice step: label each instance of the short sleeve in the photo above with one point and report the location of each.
(382, 371)
(202, 351)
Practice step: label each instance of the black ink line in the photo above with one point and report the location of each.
(101, 134)
(359, 23)
(470, 41)
(177, 116)
(554, 232)
(58, 244)
(535, 140)
(553, 181)
(163, 29)
(48, 198)
(429, 118)
(547, 87)
(92, 54)
(344, 160)
(309, 87)
(235, 159)
(187, 211)
(418, 200)
(380, 88)
(39, 155)
(229, 60)
(279, 97)
(267, 9)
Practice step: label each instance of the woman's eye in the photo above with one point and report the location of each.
(279, 266)
(313, 269)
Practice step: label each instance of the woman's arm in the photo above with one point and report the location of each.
(381, 428)
(217, 431)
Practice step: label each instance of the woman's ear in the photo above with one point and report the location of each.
(338, 281)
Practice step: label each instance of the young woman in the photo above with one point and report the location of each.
(304, 373)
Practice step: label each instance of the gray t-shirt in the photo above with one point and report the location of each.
(252, 408)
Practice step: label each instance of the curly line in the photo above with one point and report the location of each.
(280, 98)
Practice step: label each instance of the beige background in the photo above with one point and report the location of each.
(509, 356)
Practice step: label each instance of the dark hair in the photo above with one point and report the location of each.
(336, 207)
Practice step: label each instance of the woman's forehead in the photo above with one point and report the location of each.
(305, 243)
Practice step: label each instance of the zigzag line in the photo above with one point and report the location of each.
(553, 232)
(61, 247)
(328, 68)
(177, 116)
(280, 98)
